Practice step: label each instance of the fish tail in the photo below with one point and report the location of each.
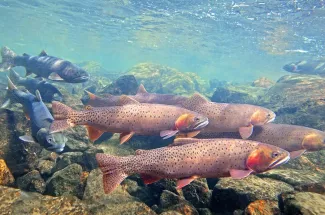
(14, 76)
(61, 117)
(8, 57)
(112, 168)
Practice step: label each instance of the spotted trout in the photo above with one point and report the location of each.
(40, 120)
(130, 118)
(223, 117)
(295, 139)
(44, 66)
(189, 158)
(316, 67)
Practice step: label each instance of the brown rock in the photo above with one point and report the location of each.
(263, 207)
(6, 177)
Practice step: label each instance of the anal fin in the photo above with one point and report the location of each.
(148, 179)
(185, 181)
(296, 154)
(124, 137)
(93, 133)
(246, 132)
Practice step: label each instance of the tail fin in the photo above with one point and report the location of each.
(8, 57)
(113, 173)
(14, 76)
(60, 114)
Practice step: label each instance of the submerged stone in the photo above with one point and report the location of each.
(68, 158)
(304, 203)
(126, 84)
(6, 177)
(171, 202)
(45, 167)
(198, 193)
(263, 207)
(230, 194)
(32, 181)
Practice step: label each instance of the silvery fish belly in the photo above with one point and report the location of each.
(188, 158)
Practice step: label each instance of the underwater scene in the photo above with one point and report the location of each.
(171, 107)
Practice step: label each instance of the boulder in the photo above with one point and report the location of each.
(31, 181)
(68, 158)
(312, 187)
(198, 193)
(263, 207)
(304, 203)
(45, 167)
(230, 194)
(6, 177)
(124, 85)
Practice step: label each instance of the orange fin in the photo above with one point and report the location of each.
(183, 141)
(124, 137)
(246, 132)
(296, 154)
(26, 114)
(93, 133)
(148, 179)
(185, 181)
(91, 95)
(142, 90)
(239, 174)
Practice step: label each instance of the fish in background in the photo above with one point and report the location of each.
(142, 96)
(316, 67)
(40, 118)
(223, 117)
(47, 90)
(293, 138)
(129, 118)
(45, 66)
(189, 158)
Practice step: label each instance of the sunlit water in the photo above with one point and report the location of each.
(227, 40)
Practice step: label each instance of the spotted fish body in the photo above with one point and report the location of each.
(44, 66)
(306, 67)
(190, 158)
(132, 117)
(295, 139)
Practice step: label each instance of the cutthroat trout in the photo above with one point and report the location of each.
(295, 139)
(223, 117)
(188, 158)
(130, 118)
(44, 66)
(316, 67)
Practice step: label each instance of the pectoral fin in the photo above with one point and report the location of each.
(246, 132)
(124, 137)
(148, 179)
(55, 77)
(94, 133)
(27, 138)
(296, 154)
(185, 181)
(168, 133)
(239, 174)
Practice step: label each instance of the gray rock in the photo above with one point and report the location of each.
(31, 181)
(73, 145)
(89, 158)
(142, 193)
(45, 167)
(65, 181)
(169, 201)
(198, 193)
(294, 177)
(125, 84)
(304, 203)
(230, 194)
(68, 158)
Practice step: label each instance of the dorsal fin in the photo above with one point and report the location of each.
(142, 90)
(91, 95)
(126, 100)
(195, 99)
(43, 53)
(183, 141)
(38, 96)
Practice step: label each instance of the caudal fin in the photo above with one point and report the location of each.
(60, 114)
(113, 173)
(8, 57)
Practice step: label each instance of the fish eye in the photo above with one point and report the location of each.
(275, 154)
(196, 119)
(49, 139)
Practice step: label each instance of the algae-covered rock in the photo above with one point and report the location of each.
(230, 194)
(263, 82)
(312, 187)
(45, 167)
(14, 201)
(115, 203)
(6, 177)
(263, 207)
(304, 203)
(31, 181)
(144, 194)
(162, 79)
(68, 158)
(242, 94)
(124, 85)
(198, 193)
(65, 182)
(294, 177)
(169, 201)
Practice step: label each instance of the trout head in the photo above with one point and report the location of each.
(265, 157)
(52, 142)
(74, 74)
(313, 142)
(262, 116)
(191, 122)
